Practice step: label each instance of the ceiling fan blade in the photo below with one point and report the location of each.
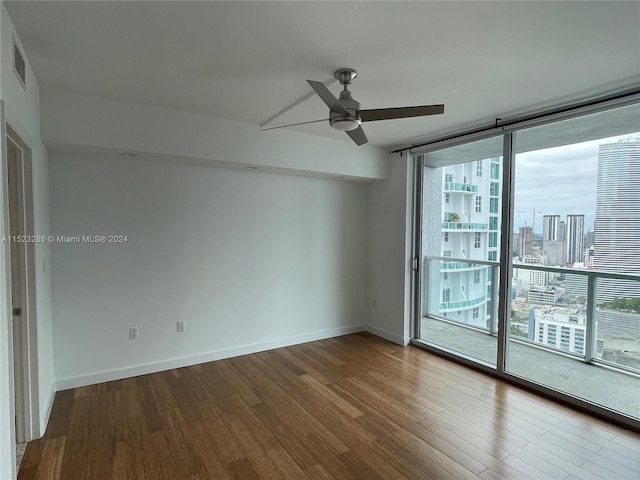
(294, 124)
(399, 112)
(327, 97)
(358, 136)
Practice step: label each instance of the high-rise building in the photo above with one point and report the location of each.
(617, 225)
(588, 239)
(575, 239)
(589, 253)
(553, 240)
(551, 227)
(575, 285)
(525, 240)
(470, 230)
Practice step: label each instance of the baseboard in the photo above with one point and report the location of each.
(400, 340)
(48, 407)
(107, 376)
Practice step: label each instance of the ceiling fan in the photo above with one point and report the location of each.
(345, 114)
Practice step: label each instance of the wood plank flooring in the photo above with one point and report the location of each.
(352, 407)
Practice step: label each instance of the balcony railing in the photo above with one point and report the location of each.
(464, 226)
(447, 266)
(607, 336)
(611, 336)
(462, 304)
(460, 187)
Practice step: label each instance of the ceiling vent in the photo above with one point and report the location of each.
(19, 65)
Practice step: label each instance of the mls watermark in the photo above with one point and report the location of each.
(65, 239)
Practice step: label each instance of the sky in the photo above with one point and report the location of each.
(559, 180)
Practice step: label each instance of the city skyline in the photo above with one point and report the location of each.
(542, 186)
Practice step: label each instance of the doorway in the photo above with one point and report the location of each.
(23, 300)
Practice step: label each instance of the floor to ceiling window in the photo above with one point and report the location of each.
(566, 194)
(460, 243)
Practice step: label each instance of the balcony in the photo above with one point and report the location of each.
(460, 187)
(612, 388)
(586, 344)
(477, 227)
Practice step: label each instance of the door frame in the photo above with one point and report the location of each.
(25, 389)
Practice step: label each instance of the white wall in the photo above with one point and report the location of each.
(285, 261)
(46, 380)
(21, 109)
(389, 261)
(249, 260)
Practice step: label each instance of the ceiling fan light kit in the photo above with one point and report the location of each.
(345, 114)
(344, 123)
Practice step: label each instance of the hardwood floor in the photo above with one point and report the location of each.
(353, 407)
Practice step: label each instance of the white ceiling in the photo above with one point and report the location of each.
(249, 60)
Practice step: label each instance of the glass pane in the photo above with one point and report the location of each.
(618, 325)
(461, 235)
(458, 313)
(545, 313)
(577, 214)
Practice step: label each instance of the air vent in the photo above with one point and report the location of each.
(19, 65)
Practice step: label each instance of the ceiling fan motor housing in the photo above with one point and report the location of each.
(346, 123)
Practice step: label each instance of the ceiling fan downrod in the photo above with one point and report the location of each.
(339, 120)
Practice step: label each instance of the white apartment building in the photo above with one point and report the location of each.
(470, 231)
(526, 277)
(559, 328)
(530, 277)
(544, 295)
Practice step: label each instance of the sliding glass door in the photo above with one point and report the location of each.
(460, 248)
(552, 208)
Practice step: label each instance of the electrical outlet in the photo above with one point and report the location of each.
(133, 333)
(180, 326)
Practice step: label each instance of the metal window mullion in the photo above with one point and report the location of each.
(504, 306)
(417, 164)
(494, 299)
(590, 334)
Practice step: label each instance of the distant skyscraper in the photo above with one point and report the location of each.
(525, 240)
(617, 226)
(553, 242)
(551, 227)
(588, 239)
(575, 238)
